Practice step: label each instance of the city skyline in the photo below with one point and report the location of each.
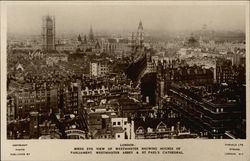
(116, 18)
(100, 86)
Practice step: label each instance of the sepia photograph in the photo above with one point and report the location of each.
(156, 80)
(177, 73)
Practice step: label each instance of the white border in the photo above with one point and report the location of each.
(59, 149)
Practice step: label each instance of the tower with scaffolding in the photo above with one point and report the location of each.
(48, 33)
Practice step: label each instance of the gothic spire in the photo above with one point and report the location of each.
(91, 34)
(140, 27)
(79, 38)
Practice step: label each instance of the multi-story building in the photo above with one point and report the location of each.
(99, 68)
(74, 97)
(239, 58)
(11, 108)
(212, 116)
(151, 66)
(34, 125)
(105, 124)
(30, 100)
(69, 97)
(125, 125)
(167, 74)
(227, 73)
(32, 97)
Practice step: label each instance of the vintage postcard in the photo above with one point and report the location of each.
(125, 80)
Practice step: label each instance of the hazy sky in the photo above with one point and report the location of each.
(78, 18)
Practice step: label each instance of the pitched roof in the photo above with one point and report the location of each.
(19, 66)
(149, 122)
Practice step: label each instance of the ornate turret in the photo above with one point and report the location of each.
(136, 41)
(140, 35)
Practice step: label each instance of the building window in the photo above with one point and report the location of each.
(118, 136)
(119, 123)
(114, 123)
(125, 122)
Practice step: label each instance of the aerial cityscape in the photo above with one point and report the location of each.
(134, 83)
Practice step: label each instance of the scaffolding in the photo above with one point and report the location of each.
(48, 33)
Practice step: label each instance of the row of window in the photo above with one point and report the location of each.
(106, 136)
(95, 92)
(30, 101)
(150, 130)
(119, 123)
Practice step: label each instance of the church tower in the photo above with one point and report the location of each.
(136, 40)
(140, 35)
